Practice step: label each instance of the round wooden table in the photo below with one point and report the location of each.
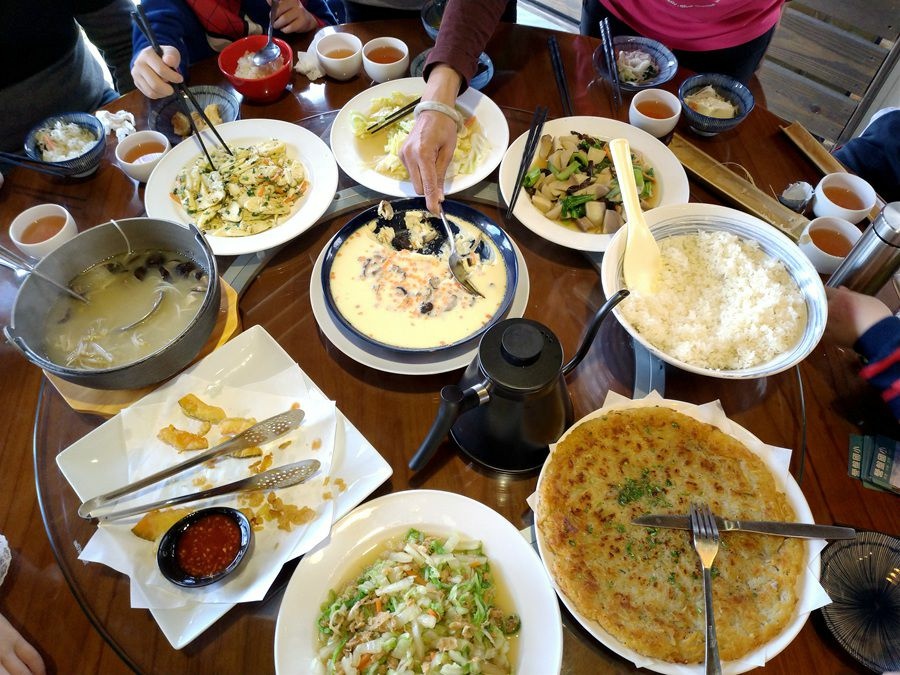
(394, 412)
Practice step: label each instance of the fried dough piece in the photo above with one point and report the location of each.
(182, 440)
(155, 523)
(195, 408)
(232, 426)
(182, 127)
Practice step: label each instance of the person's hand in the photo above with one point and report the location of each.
(851, 314)
(429, 148)
(292, 17)
(153, 75)
(17, 657)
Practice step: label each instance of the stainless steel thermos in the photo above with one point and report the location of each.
(875, 257)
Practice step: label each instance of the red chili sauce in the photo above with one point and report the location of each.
(208, 545)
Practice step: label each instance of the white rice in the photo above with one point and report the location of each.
(250, 71)
(64, 140)
(723, 303)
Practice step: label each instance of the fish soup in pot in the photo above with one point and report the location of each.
(153, 293)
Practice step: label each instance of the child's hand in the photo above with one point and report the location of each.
(851, 314)
(292, 17)
(153, 75)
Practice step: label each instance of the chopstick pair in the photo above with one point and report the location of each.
(140, 19)
(531, 141)
(34, 164)
(560, 72)
(395, 116)
(612, 70)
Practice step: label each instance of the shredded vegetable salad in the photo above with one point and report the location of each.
(426, 606)
(472, 145)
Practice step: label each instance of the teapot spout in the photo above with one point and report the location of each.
(591, 333)
(454, 402)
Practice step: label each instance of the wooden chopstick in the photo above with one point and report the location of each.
(395, 116)
(560, 72)
(29, 163)
(534, 135)
(610, 53)
(140, 18)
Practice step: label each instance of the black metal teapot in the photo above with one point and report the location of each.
(512, 401)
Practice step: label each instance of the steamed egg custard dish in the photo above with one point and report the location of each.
(391, 281)
(248, 192)
(381, 150)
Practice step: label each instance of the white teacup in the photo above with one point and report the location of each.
(826, 242)
(843, 195)
(41, 229)
(385, 58)
(139, 153)
(655, 111)
(340, 55)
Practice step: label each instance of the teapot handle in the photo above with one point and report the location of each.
(454, 402)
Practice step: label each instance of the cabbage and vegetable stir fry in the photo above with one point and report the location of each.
(572, 181)
(427, 606)
(471, 144)
(249, 192)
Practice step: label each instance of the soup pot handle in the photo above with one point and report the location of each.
(454, 402)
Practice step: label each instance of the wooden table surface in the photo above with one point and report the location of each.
(43, 592)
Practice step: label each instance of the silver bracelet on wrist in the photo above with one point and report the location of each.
(442, 108)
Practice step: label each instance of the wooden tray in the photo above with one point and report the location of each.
(108, 402)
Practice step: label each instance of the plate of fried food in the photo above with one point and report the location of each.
(247, 380)
(571, 194)
(636, 589)
(373, 160)
(274, 185)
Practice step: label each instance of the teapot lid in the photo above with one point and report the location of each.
(520, 355)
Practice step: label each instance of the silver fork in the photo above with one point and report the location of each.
(706, 542)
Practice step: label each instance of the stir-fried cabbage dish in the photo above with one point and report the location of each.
(427, 605)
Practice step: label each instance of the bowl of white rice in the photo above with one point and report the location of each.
(74, 142)
(736, 298)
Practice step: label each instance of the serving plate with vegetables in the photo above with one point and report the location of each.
(571, 194)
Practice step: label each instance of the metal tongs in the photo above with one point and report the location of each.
(140, 20)
(263, 432)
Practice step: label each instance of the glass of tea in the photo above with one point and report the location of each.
(340, 55)
(140, 152)
(385, 58)
(843, 195)
(826, 241)
(39, 230)
(655, 111)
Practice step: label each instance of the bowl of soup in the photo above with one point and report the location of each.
(152, 292)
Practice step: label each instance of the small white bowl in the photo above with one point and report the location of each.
(340, 55)
(49, 234)
(139, 153)
(380, 69)
(652, 120)
(821, 252)
(825, 205)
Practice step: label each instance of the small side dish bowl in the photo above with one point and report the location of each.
(228, 105)
(264, 89)
(727, 88)
(687, 219)
(84, 164)
(139, 153)
(36, 299)
(432, 12)
(664, 62)
(204, 547)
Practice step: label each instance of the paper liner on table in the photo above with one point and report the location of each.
(116, 546)
(811, 594)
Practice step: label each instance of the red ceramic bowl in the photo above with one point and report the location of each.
(262, 90)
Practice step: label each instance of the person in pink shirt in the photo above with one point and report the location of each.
(707, 36)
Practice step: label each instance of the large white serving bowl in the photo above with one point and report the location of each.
(688, 218)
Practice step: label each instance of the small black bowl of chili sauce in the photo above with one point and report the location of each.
(204, 546)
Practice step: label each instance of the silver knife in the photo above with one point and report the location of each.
(801, 530)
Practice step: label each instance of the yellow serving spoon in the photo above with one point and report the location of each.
(641, 262)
